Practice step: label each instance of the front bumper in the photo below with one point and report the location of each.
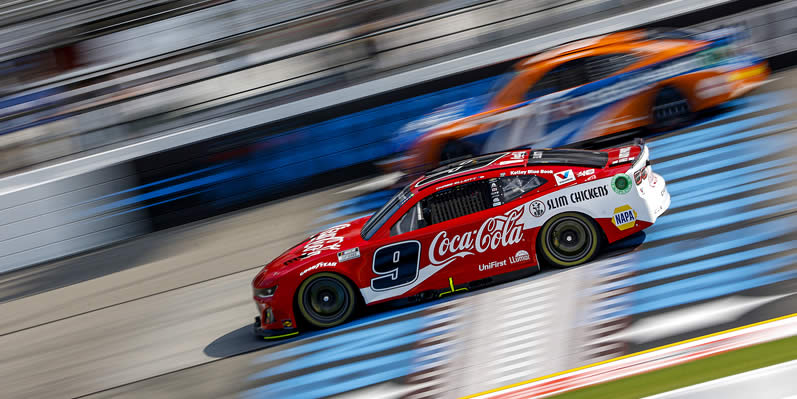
(275, 318)
(745, 79)
(273, 334)
(724, 83)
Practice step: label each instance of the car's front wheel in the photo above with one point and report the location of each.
(326, 300)
(568, 239)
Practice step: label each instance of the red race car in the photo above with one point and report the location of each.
(462, 226)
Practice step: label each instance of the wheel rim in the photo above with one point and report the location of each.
(326, 300)
(569, 239)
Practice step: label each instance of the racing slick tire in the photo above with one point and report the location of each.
(568, 239)
(326, 300)
(454, 150)
(671, 110)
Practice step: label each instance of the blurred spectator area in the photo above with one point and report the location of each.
(80, 75)
(28, 26)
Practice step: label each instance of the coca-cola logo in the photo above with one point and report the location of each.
(326, 240)
(498, 231)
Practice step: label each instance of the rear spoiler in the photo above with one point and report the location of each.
(639, 142)
(729, 34)
(641, 162)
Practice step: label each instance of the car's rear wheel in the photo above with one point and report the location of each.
(326, 300)
(568, 239)
(671, 110)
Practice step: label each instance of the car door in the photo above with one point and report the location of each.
(463, 233)
(584, 87)
(557, 107)
(417, 253)
(517, 192)
(531, 124)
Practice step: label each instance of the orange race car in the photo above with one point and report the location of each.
(593, 87)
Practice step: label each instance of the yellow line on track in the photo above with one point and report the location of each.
(627, 356)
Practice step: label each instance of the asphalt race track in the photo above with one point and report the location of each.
(169, 315)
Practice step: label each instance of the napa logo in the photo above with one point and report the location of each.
(624, 217)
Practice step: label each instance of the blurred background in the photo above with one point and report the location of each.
(153, 154)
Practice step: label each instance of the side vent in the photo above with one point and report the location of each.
(291, 260)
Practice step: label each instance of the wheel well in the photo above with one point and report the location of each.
(358, 297)
(676, 90)
(601, 234)
(660, 124)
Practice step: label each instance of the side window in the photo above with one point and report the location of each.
(574, 73)
(455, 202)
(515, 186)
(412, 220)
(546, 85)
(448, 204)
(570, 74)
(580, 71)
(602, 66)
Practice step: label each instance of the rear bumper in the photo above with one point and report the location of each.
(642, 205)
(272, 334)
(650, 188)
(657, 198)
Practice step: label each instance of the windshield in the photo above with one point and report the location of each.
(383, 214)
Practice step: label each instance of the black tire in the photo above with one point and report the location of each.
(453, 150)
(568, 239)
(326, 300)
(671, 110)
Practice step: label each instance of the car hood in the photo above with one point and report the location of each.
(323, 246)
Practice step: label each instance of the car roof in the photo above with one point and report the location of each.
(511, 159)
(584, 44)
(623, 39)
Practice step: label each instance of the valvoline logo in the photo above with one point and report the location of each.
(564, 177)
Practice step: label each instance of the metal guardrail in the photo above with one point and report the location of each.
(58, 218)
